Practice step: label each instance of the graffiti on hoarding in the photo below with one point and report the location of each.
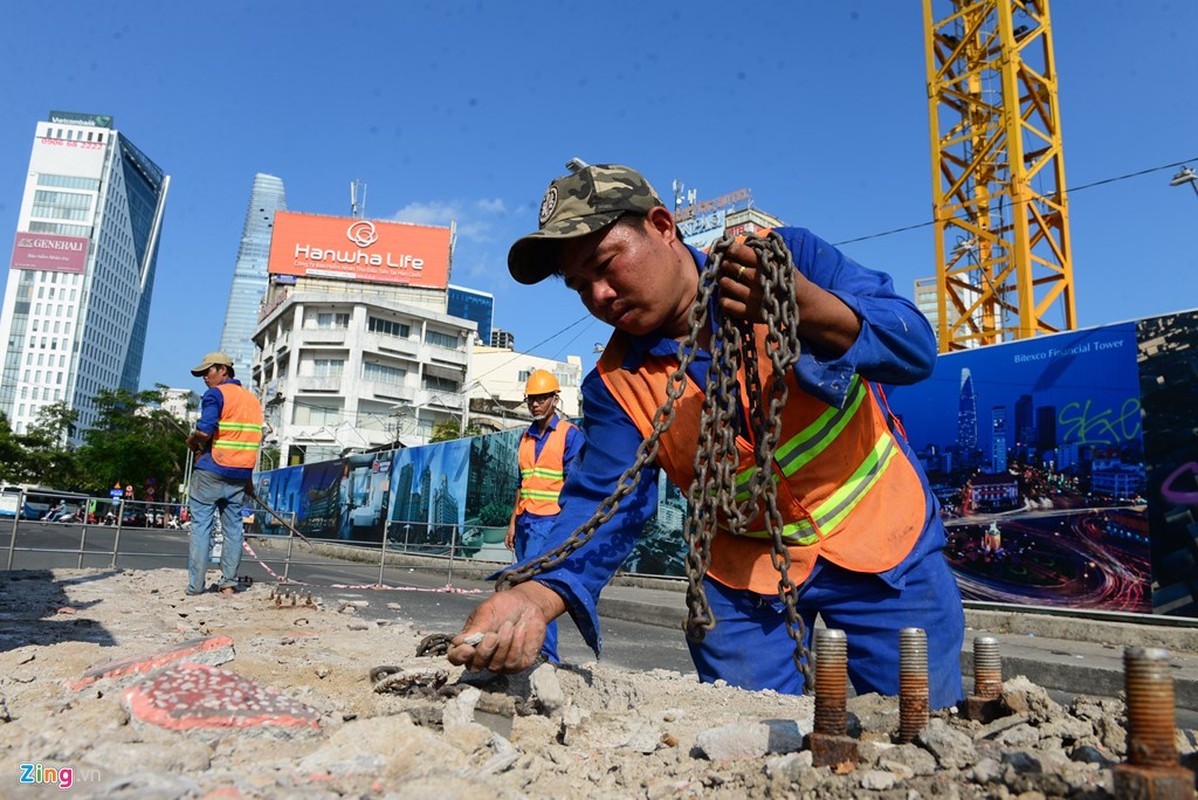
(1084, 425)
(1182, 497)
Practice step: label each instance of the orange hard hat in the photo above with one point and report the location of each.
(541, 382)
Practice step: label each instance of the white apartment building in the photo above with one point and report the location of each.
(351, 366)
(77, 301)
(183, 405)
(496, 386)
(927, 292)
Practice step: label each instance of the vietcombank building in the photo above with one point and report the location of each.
(81, 273)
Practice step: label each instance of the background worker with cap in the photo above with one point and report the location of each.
(547, 451)
(860, 524)
(226, 441)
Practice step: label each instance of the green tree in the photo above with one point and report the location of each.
(495, 513)
(448, 430)
(270, 457)
(49, 458)
(134, 440)
(12, 454)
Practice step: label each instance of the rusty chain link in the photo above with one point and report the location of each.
(711, 498)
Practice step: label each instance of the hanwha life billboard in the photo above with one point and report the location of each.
(359, 250)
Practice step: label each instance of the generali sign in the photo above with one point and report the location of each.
(49, 252)
(359, 250)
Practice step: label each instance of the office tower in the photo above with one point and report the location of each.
(967, 417)
(1024, 424)
(1046, 427)
(250, 275)
(474, 305)
(998, 439)
(81, 277)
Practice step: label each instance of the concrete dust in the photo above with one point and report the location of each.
(582, 730)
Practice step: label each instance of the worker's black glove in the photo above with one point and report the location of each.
(249, 488)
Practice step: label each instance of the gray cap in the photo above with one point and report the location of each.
(575, 205)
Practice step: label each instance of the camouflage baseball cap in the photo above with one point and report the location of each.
(575, 205)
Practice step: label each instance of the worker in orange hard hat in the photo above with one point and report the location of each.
(547, 449)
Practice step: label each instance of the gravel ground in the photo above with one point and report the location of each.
(424, 728)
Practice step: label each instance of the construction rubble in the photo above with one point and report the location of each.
(121, 685)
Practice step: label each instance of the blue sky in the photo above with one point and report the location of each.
(465, 111)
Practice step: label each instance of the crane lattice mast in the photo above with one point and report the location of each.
(1003, 263)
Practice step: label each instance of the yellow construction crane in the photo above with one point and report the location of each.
(1003, 263)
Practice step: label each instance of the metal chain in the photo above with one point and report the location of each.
(711, 498)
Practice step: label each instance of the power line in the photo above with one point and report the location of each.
(1091, 185)
(547, 339)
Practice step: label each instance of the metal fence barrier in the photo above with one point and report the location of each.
(91, 529)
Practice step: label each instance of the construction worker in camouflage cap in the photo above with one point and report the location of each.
(587, 200)
(861, 526)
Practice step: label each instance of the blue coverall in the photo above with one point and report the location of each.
(749, 646)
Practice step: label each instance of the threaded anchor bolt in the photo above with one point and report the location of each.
(1150, 709)
(1152, 769)
(828, 741)
(831, 682)
(987, 668)
(913, 683)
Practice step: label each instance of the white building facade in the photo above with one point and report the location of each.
(348, 366)
(496, 386)
(77, 302)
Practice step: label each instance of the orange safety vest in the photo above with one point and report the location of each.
(541, 478)
(845, 489)
(239, 431)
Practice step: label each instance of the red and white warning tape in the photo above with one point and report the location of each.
(446, 589)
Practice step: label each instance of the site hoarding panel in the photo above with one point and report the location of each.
(1035, 451)
(49, 252)
(1168, 366)
(359, 250)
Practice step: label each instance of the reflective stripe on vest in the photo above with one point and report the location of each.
(808, 443)
(239, 431)
(832, 511)
(542, 477)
